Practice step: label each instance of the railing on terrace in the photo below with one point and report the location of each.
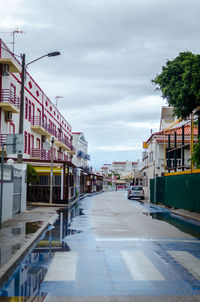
(60, 156)
(6, 95)
(38, 121)
(66, 157)
(66, 141)
(52, 131)
(41, 154)
(3, 138)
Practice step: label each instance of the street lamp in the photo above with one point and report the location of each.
(23, 76)
(51, 175)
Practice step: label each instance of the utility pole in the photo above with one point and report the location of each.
(21, 116)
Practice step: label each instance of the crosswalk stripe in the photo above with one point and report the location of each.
(188, 261)
(63, 267)
(132, 239)
(140, 267)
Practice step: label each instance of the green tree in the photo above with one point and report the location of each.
(32, 176)
(179, 83)
(196, 154)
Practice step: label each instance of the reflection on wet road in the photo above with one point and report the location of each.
(103, 254)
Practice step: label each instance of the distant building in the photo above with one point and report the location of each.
(81, 157)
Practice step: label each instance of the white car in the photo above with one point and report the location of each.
(135, 192)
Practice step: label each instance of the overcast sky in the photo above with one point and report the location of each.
(111, 49)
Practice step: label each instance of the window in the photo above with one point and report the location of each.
(29, 111)
(38, 143)
(32, 141)
(29, 143)
(33, 112)
(39, 116)
(26, 108)
(12, 92)
(25, 141)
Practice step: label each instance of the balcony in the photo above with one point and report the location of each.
(73, 150)
(87, 156)
(64, 143)
(40, 154)
(52, 131)
(40, 126)
(81, 154)
(9, 101)
(66, 157)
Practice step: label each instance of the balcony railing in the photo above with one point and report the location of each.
(52, 131)
(8, 96)
(3, 139)
(41, 154)
(38, 121)
(66, 158)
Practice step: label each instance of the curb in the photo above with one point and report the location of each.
(6, 269)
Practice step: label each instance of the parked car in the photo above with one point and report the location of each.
(136, 192)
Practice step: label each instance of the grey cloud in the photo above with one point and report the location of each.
(110, 51)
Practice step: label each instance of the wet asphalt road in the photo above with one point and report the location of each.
(118, 252)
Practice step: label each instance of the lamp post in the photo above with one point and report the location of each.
(51, 175)
(23, 76)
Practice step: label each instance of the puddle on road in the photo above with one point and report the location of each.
(187, 226)
(35, 264)
(32, 227)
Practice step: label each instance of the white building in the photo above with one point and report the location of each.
(81, 157)
(125, 169)
(155, 154)
(42, 121)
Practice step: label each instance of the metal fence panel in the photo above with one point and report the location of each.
(183, 191)
(17, 194)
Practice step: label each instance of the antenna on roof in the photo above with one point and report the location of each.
(56, 98)
(13, 33)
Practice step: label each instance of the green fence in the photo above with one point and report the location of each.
(179, 191)
(160, 190)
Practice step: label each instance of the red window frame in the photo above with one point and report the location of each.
(32, 141)
(38, 143)
(25, 142)
(29, 143)
(26, 108)
(33, 112)
(29, 111)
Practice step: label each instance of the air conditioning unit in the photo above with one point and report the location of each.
(5, 70)
(8, 116)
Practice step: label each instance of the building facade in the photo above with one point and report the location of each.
(47, 135)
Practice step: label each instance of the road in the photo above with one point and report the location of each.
(118, 252)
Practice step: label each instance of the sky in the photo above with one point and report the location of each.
(110, 52)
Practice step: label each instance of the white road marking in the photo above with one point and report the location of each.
(146, 239)
(63, 267)
(140, 267)
(188, 261)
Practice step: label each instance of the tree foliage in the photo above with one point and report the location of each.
(32, 176)
(196, 154)
(179, 83)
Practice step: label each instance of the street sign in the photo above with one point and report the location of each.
(14, 144)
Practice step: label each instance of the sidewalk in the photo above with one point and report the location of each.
(18, 236)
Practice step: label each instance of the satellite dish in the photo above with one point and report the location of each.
(46, 146)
